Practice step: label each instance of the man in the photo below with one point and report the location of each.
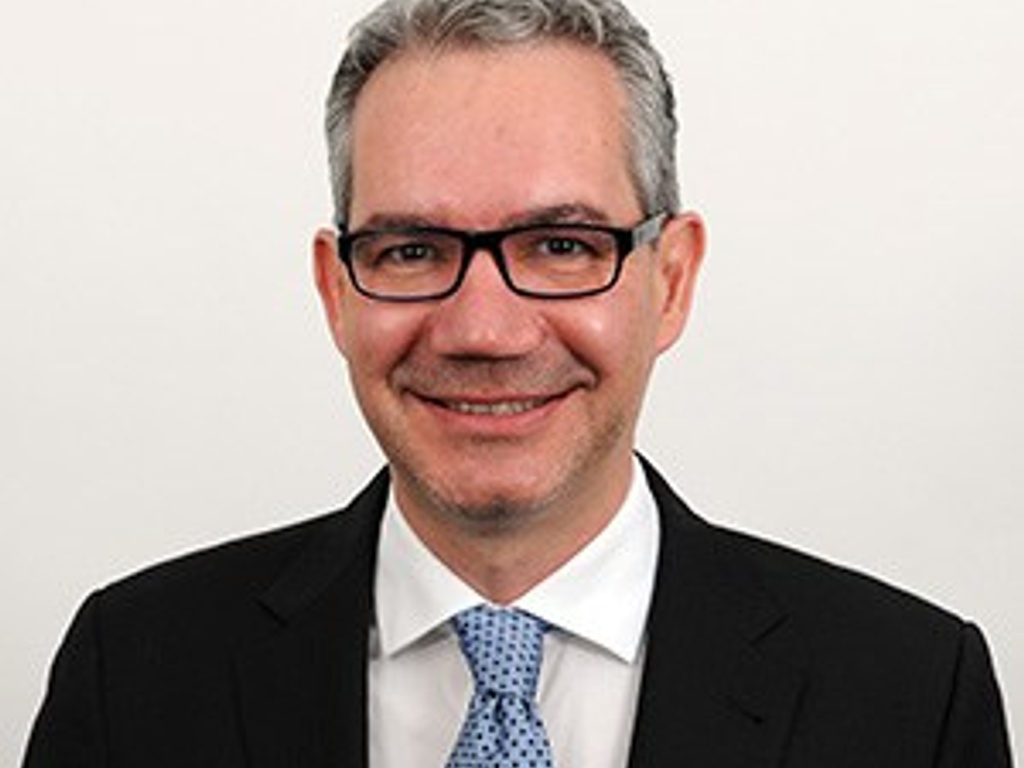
(510, 262)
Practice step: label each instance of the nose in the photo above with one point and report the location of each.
(484, 318)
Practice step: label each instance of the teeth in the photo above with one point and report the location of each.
(495, 409)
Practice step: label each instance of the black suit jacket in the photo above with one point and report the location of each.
(254, 654)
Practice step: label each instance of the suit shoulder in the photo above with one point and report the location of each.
(825, 593)
(236, 557)
(833, 597)
(251, 563)
(243, 566)
(244, 585)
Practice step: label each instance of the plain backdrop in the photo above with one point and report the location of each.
(850, 384)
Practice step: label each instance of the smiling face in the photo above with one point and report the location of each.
(498, 411)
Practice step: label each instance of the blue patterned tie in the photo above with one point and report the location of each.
(503, 728)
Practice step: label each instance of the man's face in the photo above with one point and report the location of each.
(491, 406)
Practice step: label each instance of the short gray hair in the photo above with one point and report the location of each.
(604, 25)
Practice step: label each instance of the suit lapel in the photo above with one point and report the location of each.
(302, 691)
(710, 694)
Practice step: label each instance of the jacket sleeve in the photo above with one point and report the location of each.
(975, 734)
(69, 729)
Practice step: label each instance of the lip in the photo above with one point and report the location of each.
(495, 408)
(496, 416)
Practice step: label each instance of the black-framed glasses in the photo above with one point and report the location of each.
(544, 261)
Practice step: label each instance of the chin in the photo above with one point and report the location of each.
(496, 506)
(504, 503)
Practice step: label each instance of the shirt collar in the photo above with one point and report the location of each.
(601, 595)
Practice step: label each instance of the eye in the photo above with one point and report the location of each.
(557, 245)
(411, 253)
(561, 245)
(404, 251)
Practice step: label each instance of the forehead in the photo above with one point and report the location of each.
(480, 133)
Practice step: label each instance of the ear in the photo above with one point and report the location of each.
(331, 283)
(680, 252)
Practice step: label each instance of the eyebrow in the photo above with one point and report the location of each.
(558, 214)
(564, 213)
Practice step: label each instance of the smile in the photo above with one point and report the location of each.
(501, 408)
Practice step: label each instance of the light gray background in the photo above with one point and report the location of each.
(850, 383)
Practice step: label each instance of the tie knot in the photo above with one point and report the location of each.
(503, 647)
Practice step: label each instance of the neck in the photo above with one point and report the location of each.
(504, 554)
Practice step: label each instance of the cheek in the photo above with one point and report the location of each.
(376, 336)
(613, 334)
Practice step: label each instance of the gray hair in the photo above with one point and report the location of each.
(604, 25)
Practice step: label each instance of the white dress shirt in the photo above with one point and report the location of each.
(420, 684)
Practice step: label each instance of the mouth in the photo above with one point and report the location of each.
(512, 407)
